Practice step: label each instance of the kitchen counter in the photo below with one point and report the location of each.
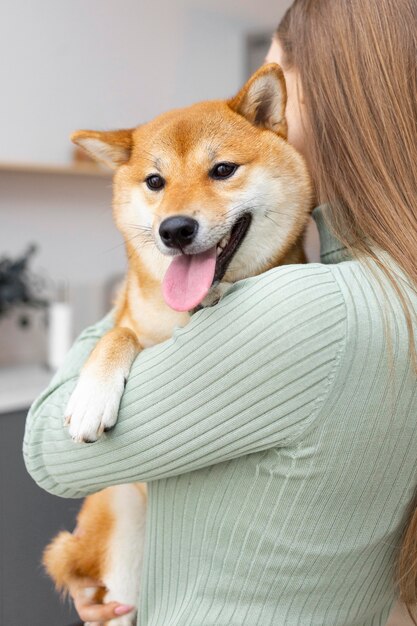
(20, 385)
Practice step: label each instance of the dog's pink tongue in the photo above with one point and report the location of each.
(188, 279)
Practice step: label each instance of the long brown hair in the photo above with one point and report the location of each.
(357, 63)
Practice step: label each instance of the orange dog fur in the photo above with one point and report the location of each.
(180, 165)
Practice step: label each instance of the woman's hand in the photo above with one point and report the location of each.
(89, 611)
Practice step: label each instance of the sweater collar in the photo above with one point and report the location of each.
(331, 249)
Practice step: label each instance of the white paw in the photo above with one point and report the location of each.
(93, 406)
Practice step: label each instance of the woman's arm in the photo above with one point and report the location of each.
(248, 374)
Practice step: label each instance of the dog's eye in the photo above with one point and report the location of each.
(155, 182)
(223, 170)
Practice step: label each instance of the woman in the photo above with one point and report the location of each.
(277, 430)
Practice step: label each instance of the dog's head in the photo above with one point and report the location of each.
(209, 193)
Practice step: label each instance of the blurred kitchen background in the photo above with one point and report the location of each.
(66, 65)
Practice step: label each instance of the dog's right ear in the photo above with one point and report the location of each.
(113, 148)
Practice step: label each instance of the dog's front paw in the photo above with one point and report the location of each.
(93, 406)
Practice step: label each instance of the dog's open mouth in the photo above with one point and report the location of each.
(190, 276)
(229, 245)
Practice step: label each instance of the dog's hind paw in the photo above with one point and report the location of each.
(93, 406)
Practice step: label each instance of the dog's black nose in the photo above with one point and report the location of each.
(178, 231)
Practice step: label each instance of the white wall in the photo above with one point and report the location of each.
(103, 63)
(100, 64)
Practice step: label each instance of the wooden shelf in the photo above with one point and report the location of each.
(74, 169)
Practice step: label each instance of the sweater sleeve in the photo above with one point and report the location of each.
(248, 374)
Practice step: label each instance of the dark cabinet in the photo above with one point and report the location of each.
(29, 518)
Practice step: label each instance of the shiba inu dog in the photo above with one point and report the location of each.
(203, 196)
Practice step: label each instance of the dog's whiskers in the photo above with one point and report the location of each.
(153, 159)
(250, 204)
(273, 221)
(140, 227)
(276, 212)
(123, 243)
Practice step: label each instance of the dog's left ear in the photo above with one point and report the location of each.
(263, 99)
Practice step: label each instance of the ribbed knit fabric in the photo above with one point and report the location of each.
(277, 432)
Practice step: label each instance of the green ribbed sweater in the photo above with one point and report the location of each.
(277, 432)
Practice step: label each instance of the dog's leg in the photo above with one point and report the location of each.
(94, 404)
(125, 548)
